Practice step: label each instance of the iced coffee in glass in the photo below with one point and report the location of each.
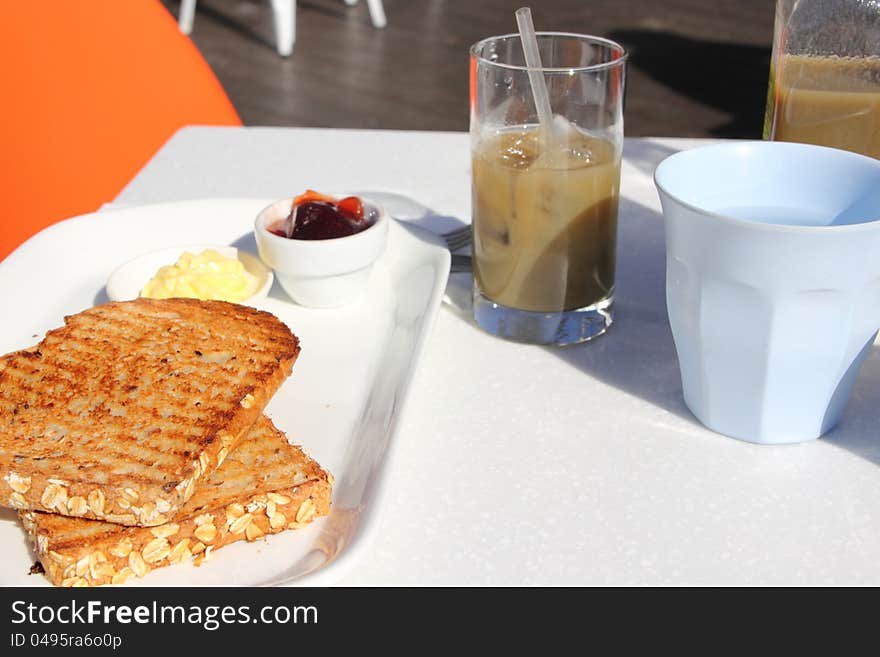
(545, 196)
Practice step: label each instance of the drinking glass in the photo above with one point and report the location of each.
(545, 198)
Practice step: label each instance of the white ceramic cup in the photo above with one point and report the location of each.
(320, 273)
(772, 282)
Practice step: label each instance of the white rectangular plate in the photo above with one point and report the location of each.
(342, 403)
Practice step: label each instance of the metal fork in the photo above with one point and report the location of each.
(458, 238)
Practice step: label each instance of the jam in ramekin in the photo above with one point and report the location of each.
(315, 216)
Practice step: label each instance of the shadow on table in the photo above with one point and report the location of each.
(637, 355)
(731, 77)
(857, 431)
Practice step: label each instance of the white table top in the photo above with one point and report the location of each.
(520, 465)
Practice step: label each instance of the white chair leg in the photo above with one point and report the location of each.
(284, 13)
(377, 13)
(187, 15)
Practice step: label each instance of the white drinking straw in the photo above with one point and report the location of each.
(533, 64)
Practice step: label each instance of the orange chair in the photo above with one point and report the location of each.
(92, 89)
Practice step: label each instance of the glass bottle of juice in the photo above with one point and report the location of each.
(825, 75)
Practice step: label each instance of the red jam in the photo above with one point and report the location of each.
(316, 216)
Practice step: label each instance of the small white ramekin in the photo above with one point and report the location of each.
(320, 273)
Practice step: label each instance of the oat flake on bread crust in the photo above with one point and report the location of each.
(266, 486)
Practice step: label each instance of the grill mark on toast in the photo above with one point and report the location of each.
(112, 367)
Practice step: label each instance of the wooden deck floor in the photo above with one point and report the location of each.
(697, 68)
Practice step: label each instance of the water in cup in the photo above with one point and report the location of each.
(779, 215)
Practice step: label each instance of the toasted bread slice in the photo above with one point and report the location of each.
(118, 414)
(264, 487)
